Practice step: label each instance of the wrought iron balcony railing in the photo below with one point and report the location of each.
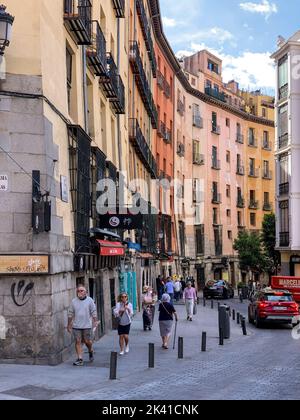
(142, 148)
(162, 130)
(198, 159)
(215, 94)
(268, 175)
(197, 121)
(240, 138)
(254, 173)
(284, 239)
(252, 141)
(169, 138)
(78, 20)
(180, 107)
(240, 170)
(180, 149)
(284, 189)
(240, 203)
(253, 205)
(216, 198)
(96, 52)
(268, 207)
(142, 82)
(216, 164)
(113, 86)
(283, 141)
(216, 129)
(141, 12)
(283, 92)
(267, 145)
(119, 6)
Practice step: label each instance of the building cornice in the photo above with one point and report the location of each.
(179, 73)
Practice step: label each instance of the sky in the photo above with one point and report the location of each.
(242, 33)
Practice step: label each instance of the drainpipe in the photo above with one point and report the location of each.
(84, 87)
(118, 116)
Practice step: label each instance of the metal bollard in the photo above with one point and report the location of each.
(244, 326)
(203, 344)
(238, 318)
(241, 298)
(180, 348)
(113, 366)
(221, 334)
(212, 304)
(233, 314)
(151, 356)
(229, 311)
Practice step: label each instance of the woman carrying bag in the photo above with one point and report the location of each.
(124, 313)
(166, 312)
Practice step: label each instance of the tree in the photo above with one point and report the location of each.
(251, 252)
(268, 238)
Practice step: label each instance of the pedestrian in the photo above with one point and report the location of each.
(166, 314)
(177, 290)
(124, 313)
(82, 318)
(170, 289)
(160, 286)
(190, 299)
(183, 286)
(148, 303)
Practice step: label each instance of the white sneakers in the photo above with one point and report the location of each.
(122, 353)
(127, 349)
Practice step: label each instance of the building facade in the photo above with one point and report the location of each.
(288, 154)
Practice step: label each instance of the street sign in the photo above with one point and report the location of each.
(126, 222)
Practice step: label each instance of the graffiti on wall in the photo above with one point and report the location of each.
(21, 293)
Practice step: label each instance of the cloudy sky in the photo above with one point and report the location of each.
(242, 33)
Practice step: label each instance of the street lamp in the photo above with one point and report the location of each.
(6, 22)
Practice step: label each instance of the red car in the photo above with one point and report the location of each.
(273, 306)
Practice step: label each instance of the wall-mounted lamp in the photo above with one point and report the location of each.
(6, 22)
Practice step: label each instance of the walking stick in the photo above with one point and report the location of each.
(175, 335)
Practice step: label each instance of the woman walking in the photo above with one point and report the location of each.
(149, 300)
(124, 311)
(190, 298)
(166, 312)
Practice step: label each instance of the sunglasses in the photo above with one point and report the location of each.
(124, 296)
(80, 291)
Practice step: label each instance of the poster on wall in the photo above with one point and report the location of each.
(3, 183)
(64, 191)
(24, 264)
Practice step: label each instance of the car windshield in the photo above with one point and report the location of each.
(219, 283)
(278, 298)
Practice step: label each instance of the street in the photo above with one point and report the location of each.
(263, 365)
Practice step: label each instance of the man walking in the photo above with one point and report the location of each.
(170, 289)
(82, 318)
(190, 298)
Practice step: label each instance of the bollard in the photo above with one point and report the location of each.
(212, 304)
(244, 326)
(204, 302)
(229, 312)
(221, 333)
(241, 298)
(151, 356)
(233, 314)
(180, 348)
(203, 344)
(238, 318)
(113, 366)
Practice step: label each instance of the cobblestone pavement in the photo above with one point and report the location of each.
(263, 365)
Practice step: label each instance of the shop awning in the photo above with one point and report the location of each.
(146, 255)
(111, 249)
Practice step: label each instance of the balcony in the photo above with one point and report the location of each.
(216, 164)
(217, 198)
(215, 94)
(142, 149)
(151, 53)
(252, 142)
(216, 129)
(284, 189)
(180, 107)
(239, 138)
(198, 159)
(268, 207)
(284, 239)
(119, 7)
(197, 121)
(240, 170)
(253, 205)
(162, 130)
(141, 12)
(283, 141)
(240, 203)
(163, 84)
(283, 92)
(113, 86)
(268, 175)
(78, 20)
(168, 139)
(96, 52)
(180, 149)
(142, 82)
(254, 173)
(267, 145)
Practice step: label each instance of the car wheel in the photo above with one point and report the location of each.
(258, 321)
(225, 294)
(251, 321)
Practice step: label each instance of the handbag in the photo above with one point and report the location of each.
(195, 309)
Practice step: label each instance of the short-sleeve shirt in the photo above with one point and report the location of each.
(166, 311)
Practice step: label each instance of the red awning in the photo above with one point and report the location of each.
(111, 249)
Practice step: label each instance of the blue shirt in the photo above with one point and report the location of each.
(170, 287)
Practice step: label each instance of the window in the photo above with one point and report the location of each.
(283, 127)
(208, 83)
(228, 156)
(214, 121)
(227, 122)
(229, 232)
(69, 76)
(200, 240)
(213, 66)
(252, 166)
(215, 216)
(264, 112)
(193, 81)
(251, 137)
(228, 213)
(284, 223)
(266, 169)
(266, 198)
(284, 169)
(228, 191)
(253, 219)
(266, 141)
(252, 195)
(239, 218)
(283, 80)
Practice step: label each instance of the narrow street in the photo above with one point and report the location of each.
(263, 365)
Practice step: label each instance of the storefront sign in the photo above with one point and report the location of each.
(132, 245)
(3, 183)
(24, 264)
(111, 249)
(126, 222)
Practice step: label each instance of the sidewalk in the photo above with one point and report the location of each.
(135, 380)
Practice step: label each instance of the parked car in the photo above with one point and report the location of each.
(270, 305)
(218, 290)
